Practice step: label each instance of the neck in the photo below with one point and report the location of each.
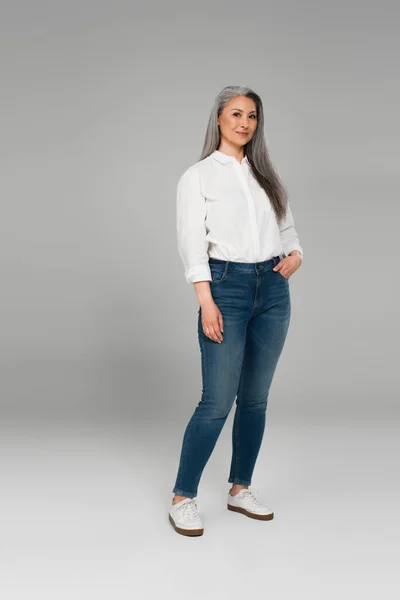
(230, 150)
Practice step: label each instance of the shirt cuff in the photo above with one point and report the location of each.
(198, 273)
(295, 247)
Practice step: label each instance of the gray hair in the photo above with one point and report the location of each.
(256, 150)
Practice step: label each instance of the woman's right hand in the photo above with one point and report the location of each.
(212, 321)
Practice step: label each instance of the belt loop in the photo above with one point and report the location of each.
(226, 268)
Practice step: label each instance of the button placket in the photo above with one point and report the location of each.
(251, 207)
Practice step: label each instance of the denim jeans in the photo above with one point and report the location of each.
(255, 304)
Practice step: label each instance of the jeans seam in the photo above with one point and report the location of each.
(203, 356)
(237, 444)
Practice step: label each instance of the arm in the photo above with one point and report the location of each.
(191, 233)
(289, 238)
(191, 228)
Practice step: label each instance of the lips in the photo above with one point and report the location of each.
(242, 132)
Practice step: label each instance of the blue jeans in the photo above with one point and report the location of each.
(255, 304)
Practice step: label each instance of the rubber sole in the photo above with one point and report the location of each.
(190, 532)
(239, 509)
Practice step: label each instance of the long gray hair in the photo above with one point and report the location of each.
(256, 150)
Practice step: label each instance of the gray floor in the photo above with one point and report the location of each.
(84, 513)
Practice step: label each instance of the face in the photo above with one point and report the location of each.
(238, 121)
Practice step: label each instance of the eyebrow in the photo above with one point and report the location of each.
(252, 111)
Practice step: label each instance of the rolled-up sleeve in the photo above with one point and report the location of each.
(191, 227)
(289, 238)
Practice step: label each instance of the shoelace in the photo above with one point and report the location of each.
(190, 508)
(250, 494)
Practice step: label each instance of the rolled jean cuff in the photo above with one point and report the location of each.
(238, 481)
(183, 493)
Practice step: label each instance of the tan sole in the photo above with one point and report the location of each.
(250, 514)
(191, 532)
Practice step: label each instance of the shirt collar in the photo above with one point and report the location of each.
(225, 158)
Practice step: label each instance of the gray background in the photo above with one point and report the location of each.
(104, 105)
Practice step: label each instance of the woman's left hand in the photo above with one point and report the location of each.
(288, 265)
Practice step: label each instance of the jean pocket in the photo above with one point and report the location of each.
(218, 273)
(283, 277)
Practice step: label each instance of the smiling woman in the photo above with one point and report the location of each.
(239, 246)
(237, 120)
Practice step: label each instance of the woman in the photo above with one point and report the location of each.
(239, 247)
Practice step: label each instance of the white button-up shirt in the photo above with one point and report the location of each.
(223, 212)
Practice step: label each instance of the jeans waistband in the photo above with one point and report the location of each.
(246, 266)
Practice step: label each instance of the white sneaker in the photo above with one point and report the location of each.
(185, 518)
(248, 502)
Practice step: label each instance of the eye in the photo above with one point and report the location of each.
(238, 114)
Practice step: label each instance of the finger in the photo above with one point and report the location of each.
(209, 331)
(221, 323)
(217, 332)
(214, 333)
